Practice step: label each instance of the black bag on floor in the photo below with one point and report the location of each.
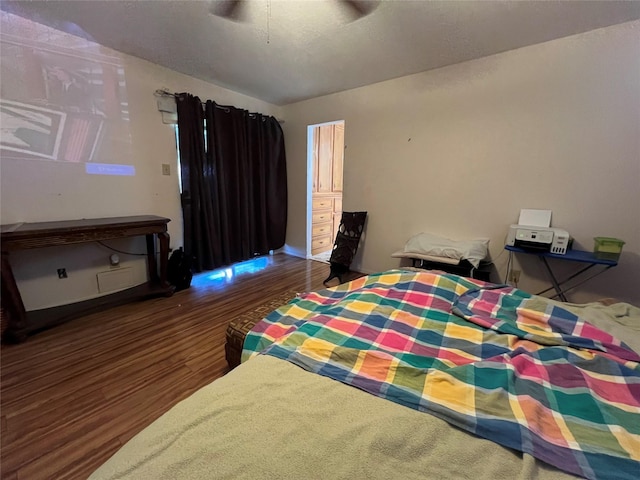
(179, 271)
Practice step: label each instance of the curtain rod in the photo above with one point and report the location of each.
(167, 93)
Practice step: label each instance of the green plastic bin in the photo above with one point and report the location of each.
(608, 248)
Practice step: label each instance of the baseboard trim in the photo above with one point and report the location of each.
(296, 252)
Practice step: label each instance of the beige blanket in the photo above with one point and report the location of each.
(271, 419)
(622, 320)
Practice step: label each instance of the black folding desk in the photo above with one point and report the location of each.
(580, 256)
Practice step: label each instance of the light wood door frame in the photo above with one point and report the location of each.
(312, 166)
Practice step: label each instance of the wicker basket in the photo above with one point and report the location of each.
(242, 324)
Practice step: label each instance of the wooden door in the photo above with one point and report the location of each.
(328, 160)
(338, 157)
(325, 159)
(337, 215)
(316, 160)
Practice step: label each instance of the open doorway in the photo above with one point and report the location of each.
(325, 167)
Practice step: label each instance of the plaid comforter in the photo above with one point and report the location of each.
(473, 354)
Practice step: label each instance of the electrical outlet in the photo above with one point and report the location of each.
(514, 276)
(62, 273)
(166, 169)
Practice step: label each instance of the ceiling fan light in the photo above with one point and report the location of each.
(357, 9)
(230, 9)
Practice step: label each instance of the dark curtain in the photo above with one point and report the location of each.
(234, 182)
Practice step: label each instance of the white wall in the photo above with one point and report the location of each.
(457, 151)
(460, 150)
(37, 191)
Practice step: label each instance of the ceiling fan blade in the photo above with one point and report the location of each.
(230, 9)
(359, 8)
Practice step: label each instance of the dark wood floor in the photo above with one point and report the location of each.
(73, 395)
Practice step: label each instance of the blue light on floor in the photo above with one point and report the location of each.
(251, 266)
(226, 275)
(220, 274)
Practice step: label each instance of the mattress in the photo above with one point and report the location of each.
(274, 417)
(271, 419)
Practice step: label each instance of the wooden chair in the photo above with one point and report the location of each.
(346, 244)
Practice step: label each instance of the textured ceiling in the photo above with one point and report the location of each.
(287, 51)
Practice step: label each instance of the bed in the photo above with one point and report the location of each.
(412, 374)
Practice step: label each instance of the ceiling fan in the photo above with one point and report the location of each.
(233, 9)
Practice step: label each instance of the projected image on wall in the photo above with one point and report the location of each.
(62, 99)
(30, 130)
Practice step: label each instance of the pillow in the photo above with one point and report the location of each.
(427, 244)
(422, 256)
